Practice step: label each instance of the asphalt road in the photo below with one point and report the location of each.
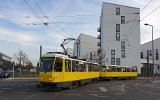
(1, 79)
(21, 89)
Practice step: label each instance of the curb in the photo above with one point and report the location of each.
(23, 78)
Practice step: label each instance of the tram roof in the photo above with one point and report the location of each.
(55, 55)
(64, 56)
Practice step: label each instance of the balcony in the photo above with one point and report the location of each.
(98, 43)
(99, 29)
(99, 37)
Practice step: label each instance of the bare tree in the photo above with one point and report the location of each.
(96, 57)
(21, 57)
(86, 56)
(29, 64)
(101, 57)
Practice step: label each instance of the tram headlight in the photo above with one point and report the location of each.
(56, 75)
(50, 79)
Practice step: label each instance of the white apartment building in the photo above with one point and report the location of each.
(70, 52)
(146, 49)
(85, 47)
(120, 35)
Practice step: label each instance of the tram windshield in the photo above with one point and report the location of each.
(46, 64)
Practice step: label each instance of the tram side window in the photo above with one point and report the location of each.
(128, 69)
(123, 69)
(95, 67)
(81, 67)
(135, 68)
(119, 69)
(67, 65)
(103, 68)
(132, 69)
(75, 65)
(89, 67)
(58, 65)
(113, 69)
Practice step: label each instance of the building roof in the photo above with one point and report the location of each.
(3, 55)
(158, 39)
(120, 5)
(82, 34)
(88, 35)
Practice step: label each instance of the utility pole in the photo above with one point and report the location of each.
(13, 68)
(40, 51)
(152, 50)
(40, 54)
(147, 74)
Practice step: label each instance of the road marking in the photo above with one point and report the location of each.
(103, 89)
(32, 84)
(99, 95)
(122, 87)
(94, 94)
(71, 90)
(101, 84)
(25, 84)
(102, 96)
(25, 89)
(93, 91)
(6, 88)
(21, 92)
(75, 94)
(12, 85)
(119, 93)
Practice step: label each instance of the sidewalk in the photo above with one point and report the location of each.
(22, 78)
(148, 78)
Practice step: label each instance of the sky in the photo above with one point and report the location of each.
(21, 23)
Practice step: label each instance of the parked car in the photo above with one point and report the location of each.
(5, 74)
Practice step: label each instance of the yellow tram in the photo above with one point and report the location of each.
(118, 72)
(59, 70)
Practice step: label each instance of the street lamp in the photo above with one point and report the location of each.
(152, 48)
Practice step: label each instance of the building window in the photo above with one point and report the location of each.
(118, 36)
(117, 27)
(112, 57)
(79, 53)
(157, 55)
(113, 53)
(150, 52)
(122, 44)
(112, 60)
(118, 61)
(91, 56)
(122, 19)
(117, 11)
(123, 53)
(141, 55)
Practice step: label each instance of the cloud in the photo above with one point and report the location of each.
(16, 36)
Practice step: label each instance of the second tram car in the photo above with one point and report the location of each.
(118, 72)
